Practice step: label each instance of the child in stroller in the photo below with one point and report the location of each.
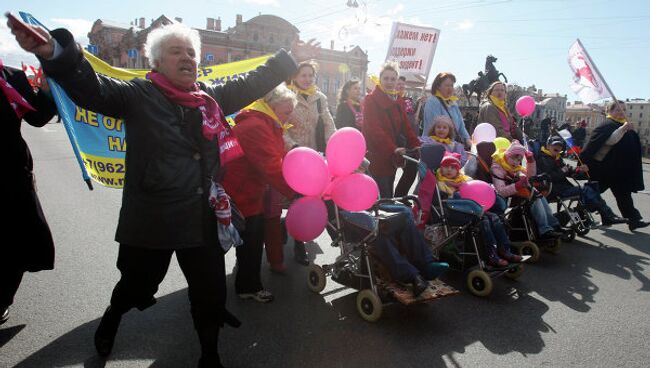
(381, 251)
(550, 162)
(511, 179)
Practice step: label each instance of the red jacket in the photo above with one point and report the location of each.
(384, 120)
(261, 165)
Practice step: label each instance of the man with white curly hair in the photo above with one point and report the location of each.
(175, 127)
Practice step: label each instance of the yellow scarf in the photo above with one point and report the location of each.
(500, 104)
(500, 158)
(620, 121)
(392, 93)
(441, 140)
(353, 102)
(309, 91)
(448, 100)
(450, 185)
(554, 156)
(261, 106)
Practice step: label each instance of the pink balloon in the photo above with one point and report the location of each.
(479, 191)
(306, 218)
(355, 192)
(305, 171)
(525, 105)
(345, 151)
(484, 132)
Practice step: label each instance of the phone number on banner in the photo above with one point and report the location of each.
(106, 171)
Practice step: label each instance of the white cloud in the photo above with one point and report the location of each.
(274, 3)
(77, 26)
(397, 9)
(464, 25)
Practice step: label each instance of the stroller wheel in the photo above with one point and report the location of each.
(553, 246)
(569, 236)
(582, 230)
(479, 283)
(369, 305)
(514, 272)
(528, 248)
(316, 278)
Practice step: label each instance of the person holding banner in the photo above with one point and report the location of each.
(178, 139)
(386, 129)
(312, 124)
(31, 248)
(613, 153)
(494, 110)
(443, 102)
(348, 111)
(259, 129)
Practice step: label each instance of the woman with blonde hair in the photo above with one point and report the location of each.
(494, 110)
(386, 129)
(312, 124)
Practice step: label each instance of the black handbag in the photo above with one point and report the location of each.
(320, 129)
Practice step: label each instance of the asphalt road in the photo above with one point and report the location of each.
(584, 307)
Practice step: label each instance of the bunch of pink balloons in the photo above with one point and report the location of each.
(308, 173)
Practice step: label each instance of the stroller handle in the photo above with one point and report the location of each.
(403, 200)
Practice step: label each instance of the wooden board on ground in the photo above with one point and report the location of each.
(404, 294)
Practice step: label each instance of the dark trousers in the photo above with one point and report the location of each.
(625, 204)
(10, 279)
(143, 269)
(409, 173)
(385, 184)
(249, 256)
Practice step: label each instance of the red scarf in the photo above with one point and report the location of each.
(214, 122)
(16, 100)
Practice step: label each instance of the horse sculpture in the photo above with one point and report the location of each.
(481, 84)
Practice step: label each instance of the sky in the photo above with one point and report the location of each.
(530, 38)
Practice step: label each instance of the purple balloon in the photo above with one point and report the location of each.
(305, 171)
(525, 105)
(306, 218)
(355, 192)
(480, 192)
(345, 151)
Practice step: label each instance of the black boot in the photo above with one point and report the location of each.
(106, 331)
(419, 285)
(209, 339)
(300, 253)
(4, 314)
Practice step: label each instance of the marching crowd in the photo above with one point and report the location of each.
(182, 178)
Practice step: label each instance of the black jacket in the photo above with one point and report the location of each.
(31, 247)
(621, 169)
(554, 168)
(345, 117)
(169, 164)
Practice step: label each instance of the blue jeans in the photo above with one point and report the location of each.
(405, 252)
(495, 236)
(543, 216)
(590, 198)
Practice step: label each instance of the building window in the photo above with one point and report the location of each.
(271, 39)
(629, 115)
(256, 36)
(641, 107)
(640, 115)
(326, 84)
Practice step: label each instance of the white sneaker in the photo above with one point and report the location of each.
(262, 296)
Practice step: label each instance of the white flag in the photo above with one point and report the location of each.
(587, 82)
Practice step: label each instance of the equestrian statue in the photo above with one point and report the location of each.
(481, 84)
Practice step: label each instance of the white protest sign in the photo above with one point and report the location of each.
(413, 47)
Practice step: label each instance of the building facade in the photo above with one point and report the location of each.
(638, 113)
(122, 45)
(592, 114)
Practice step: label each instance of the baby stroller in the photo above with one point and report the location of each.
(523, 234)
(356, 267)
(453, 229)
(572, 213)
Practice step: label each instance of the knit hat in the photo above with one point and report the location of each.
(515, 149)
(451, 159)
(554, 139)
